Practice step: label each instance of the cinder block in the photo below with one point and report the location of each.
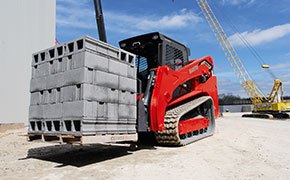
(34, 72)
(52, 126)
(124, 112)
(102, 110)
(94, 93)
(43, 56)
(53, 66)
(127, 57)
(68, 93)
(112, 112)
(55, 81)
(42, 70)
(35, 98)
(132, 112)
(35, 59)
(131, 72)
(131, 128)
(60, 51)
(78, 76)
(44, 95)
(51, 54)
(67, 63)
(70, 47)
(116, 128)
(113, 52)
(38, 84)
(127, 84)
(52, 111)
(96, 46)
(113, 95)
(36, 112)
(127, 111)
(118, 67)
(52, 96)
(93, 128)
(80, 109)
(106, 79)
(90, 60)
(126, 97)
(35, 126)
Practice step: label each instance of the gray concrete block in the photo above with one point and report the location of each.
(38, 84)
(43, 56)
(132, 112)
(67, 63)
(35, 59)
(60, 51)
(53, 66)
(131, 72)
(112, 112)
(94, 93)
(52, 111)
(35, 98)
(51, 53)
(127, 111)
(123, 111)
(116, 128)
(113, 53)
(35, 126)
(113, 95)
(36, 112)
(90, 60)
(52, 96)
(44, 97)
(78, 76)
(118, 67)
(70, 47)
(127, 57)
(54, 81)
(106, 79)
(80, 109)
(34, 71)
(42, 70)
(93, 128)
(131, 128)
(127, 84)
(102, 110)
(126, 97)
(68, 93)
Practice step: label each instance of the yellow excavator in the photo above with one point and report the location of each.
(273, 106)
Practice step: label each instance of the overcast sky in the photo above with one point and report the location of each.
(265, 24)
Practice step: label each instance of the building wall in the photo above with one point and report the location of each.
(27, 26)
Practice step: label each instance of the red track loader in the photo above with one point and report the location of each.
(177, 98)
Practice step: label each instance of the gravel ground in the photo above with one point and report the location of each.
(239, 149)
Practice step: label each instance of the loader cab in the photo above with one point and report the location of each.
(154, 50)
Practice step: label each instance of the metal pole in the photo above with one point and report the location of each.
(100, 20)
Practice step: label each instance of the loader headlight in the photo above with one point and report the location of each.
(155, 37)
(123, 45)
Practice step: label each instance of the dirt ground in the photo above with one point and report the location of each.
(239, 149)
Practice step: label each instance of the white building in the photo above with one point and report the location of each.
(27, 26)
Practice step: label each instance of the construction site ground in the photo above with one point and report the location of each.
(241, 148)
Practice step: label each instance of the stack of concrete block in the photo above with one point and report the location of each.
(84, 87)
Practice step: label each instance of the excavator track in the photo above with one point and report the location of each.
(170, 135)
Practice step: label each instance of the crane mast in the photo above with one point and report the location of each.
(256, 95)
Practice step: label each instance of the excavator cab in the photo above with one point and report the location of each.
(154, 50)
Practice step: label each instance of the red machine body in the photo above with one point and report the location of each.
(167, 80)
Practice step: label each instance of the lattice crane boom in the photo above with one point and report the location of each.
(240, 71)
